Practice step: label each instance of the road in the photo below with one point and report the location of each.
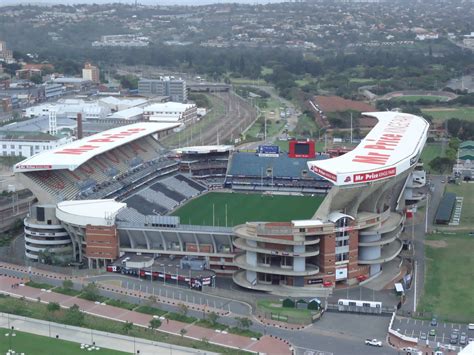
(435, 195)
(88, 336)
(336, 333)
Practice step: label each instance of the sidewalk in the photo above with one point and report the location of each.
(88, 336)
(266, 344)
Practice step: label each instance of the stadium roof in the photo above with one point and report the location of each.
(94, 212)
(71, 156)
(204, 149)
(390, 148)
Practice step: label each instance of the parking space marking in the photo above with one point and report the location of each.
(445, 325)
(443, 339)
(415, 321)
(413, 332)
(422, 322)
(408, 320)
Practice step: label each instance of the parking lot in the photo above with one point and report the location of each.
(415, 327)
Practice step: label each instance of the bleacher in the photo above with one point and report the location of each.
(190, 182)
(145, 207)
(248, 171)
(175, 195)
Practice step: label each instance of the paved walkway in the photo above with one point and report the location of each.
(87, 336)
(266, 344)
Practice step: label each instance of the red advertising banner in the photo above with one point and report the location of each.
(323, 173)
(375, 175)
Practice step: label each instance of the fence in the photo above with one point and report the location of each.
(67, 270)
(279, 317)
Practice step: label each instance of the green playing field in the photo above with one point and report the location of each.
(243, 207)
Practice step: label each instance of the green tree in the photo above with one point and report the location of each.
(243, 322)
(53, 307)
(213, 317)
(37, 79)
(155, 323)
(91, 292)
(183, 309)
(67, 284)
(127, 327)
(74, 316)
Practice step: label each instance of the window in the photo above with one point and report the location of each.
(342, 243)
(342, 257)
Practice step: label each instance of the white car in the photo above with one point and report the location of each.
(373, 342)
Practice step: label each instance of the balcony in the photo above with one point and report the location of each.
(241, 262)
(242, 244)
(392, 222)
(385, 239)
(389, 252)
(48, 242)
(243, 232)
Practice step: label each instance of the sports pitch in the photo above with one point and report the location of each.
(242, 207)
(441, 114)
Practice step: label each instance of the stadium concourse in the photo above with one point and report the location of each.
(110, 195)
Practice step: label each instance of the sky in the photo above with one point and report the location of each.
(145, 2)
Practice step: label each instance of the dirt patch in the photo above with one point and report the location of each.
(436, 243)
(336, 103)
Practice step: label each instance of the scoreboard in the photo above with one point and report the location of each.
(302, 149)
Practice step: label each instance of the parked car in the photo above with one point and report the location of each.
(463, 339)
(432, 333)
(423, 336)
(454, 338)
(434, 322)
(373, 342)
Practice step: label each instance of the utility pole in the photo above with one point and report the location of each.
(351, 127)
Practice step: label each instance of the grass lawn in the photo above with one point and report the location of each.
(444, 113)
(39, 311)
(243, 207)
(150, 310)
(449, 285)
(271, 306)
(430, 151)
(413, 98)
(247, 81)
(266, 71)
(67, 291)
(120, 304)
(39, 285)
(38, 345)
(467, 191)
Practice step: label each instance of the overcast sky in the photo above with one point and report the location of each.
(146, 2)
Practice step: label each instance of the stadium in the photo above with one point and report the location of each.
(272, 221)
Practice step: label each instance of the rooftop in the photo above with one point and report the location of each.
(204, 149)
(71, 156)
(168, 106)
(390, 148)
(94, 212)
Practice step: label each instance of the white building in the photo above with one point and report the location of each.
(171, 112)
(118, 104)
(131, 114)
(69, 108)
(27, 144)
